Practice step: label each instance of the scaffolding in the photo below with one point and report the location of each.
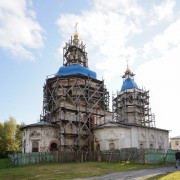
(132, 107)
(74, 53)
(78, 104)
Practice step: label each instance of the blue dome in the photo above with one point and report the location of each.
(129, 84)
(75, 69)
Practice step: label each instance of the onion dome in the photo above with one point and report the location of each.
(128, 80)
(75, 69)
(129, 84)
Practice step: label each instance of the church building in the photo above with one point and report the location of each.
(133, 123)
(76, 115)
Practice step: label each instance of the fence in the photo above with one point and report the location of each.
(128, 154)
(20, 159)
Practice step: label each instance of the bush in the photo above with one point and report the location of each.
(4, 155)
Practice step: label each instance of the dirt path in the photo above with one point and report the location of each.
(134, 175)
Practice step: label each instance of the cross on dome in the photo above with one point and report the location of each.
(76, 32)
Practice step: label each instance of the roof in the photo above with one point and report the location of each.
(75, 69)
(129, 84)
(41, 123)
(126, 125)
(113, 124)
(176, 137)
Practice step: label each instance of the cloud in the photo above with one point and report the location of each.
(161, 13)
(106, 29)
(19, 31)
(164, 11)
(161, 76)
(164, 41)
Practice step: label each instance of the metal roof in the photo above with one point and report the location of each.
(75, 69)
(129, 84)
(41, 123)
(176, 137)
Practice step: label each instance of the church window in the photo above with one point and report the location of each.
(130, 99)
(111, 146)
(151, 146)
(70, 92)
(35, 146)
(53, 147)
(152, 137)
(141, 146)
(176, 143)
(142, 136)
(98, 147)
(24, 145)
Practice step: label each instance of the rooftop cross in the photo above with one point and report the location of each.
(76, 33)
(75, 27)
(127, 63)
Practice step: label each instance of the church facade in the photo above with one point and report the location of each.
(76, 114)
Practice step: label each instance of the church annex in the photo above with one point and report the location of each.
(76, 112)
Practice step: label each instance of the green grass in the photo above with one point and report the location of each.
(169, 176)
(5, 163)
(53, 171)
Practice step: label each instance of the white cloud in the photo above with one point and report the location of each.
(19, 31)
(164, 11)
(163, 41)
(161, 13)
(106, 29)
(161, 76)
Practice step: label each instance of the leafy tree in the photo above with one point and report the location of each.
(10, 135)
(1, 136)
(10, 141)
(18, 135)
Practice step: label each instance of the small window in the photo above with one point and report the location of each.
(111, 146)
(151, 146)
(98, 147)
(141, 146)
(35, 146)
(177, 143)
(53, 147)
(24, 145)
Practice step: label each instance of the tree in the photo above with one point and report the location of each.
(18, 135)
(1, 136)
(10, 135)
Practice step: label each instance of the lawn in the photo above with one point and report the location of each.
(53, 171)
(169, 176)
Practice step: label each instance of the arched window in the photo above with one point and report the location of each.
(35, 146)
(151, 146)
(98, 147)
(111, 146)
(53, 147)
(70, 93)
(141, 146)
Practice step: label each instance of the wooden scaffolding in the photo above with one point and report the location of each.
(77, 101)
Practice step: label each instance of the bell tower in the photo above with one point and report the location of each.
(131, 104)
(74, 51)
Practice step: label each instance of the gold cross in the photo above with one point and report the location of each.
(75, 27)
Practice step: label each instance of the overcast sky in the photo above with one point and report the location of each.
(147, 33)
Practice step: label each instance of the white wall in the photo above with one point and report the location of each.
(175, 143)
(122, 137)
(43, 135)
